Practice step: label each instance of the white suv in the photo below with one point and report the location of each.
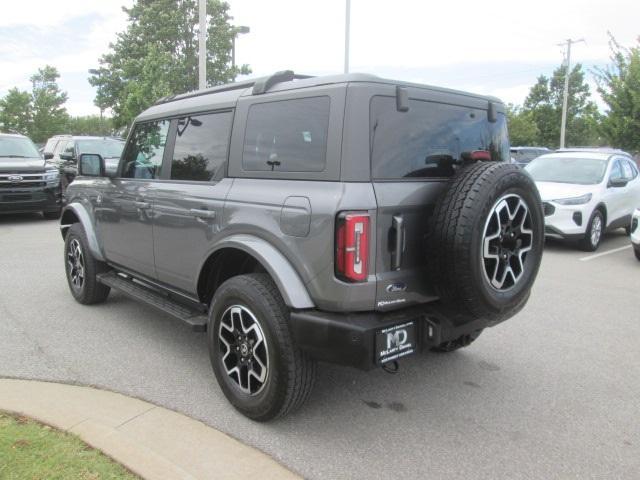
(586, 192)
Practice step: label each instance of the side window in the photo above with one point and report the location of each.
(201, 146)
(143, 154)
(628, 170)
(62, 144)
(616, 171)
(287, 136)
(50, 145)
(70, 149)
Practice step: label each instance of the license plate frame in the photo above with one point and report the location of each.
(395, 341)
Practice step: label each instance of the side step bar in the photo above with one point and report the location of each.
(194, 318)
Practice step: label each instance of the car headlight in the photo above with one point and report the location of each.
(581, 200)
(51, 176)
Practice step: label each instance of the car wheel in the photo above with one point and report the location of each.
(485, 241)
(258, 367)
(52, 215)
(458, 343)
(595, 230)
(636, 250)
(627, 230)
(82, 268)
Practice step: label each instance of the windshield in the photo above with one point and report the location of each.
(17, 147)
(582, 171)
(430, 139)
(107, 148)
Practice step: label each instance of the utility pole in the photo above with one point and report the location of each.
(565, 97)
(347, 22)
(202, 45)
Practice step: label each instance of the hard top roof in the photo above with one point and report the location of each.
(227, 95)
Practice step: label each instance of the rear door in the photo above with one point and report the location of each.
(414, 153)
(188, 205)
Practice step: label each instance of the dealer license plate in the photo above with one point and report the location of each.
(395, 342)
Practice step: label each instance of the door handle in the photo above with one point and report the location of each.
(142, 205)
(196, 212)
(398, 226)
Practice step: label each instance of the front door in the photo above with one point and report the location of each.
(124, 210)
(188, 205)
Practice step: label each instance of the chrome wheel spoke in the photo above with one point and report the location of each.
(243, 349)
(507, 239)
(75, 264)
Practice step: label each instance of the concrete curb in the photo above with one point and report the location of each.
(153, 442)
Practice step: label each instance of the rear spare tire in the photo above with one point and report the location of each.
(485, 241)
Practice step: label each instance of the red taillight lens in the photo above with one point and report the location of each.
(352, 246)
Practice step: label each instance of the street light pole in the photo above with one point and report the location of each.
(202, 44)
(347, 22)
(565, 97)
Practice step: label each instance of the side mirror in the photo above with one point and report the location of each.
(67, 156)
(618, 182)
(91, 165)
(48, 156)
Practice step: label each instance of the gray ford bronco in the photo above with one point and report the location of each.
(345, 219)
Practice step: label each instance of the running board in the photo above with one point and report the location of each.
(192, 317)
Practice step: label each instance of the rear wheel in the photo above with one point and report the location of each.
(636, 250)
(486, 239)
(259, 368)
(593, 235)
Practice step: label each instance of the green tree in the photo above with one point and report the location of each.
(49, 114)
(619, 87)
(157, 55)
(15, 112)
(522, 128)
(544, 105)
(90, 125)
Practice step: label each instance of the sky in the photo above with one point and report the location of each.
(493, 47)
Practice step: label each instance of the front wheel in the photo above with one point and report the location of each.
(82, 268)
(258, 367)
(636, 250)
(593, 235)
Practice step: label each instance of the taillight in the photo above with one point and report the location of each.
(352, 246)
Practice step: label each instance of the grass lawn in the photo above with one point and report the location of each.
(30, 450)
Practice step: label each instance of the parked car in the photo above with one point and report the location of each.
(523, 155)
(27, 183)
(64, 151)
(586, 192)
(634, 229)
(347, 219)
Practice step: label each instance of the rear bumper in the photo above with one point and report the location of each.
(30, 199)
(350, 338)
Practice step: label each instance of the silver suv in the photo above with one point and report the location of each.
(346, 219)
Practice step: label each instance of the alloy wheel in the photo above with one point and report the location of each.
(75, 262)
(507, 239)
(243, 348)
(596, 230)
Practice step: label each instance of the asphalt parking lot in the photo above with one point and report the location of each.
(552, 393)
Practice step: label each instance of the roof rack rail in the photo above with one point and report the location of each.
(262, 85)
(219, 88)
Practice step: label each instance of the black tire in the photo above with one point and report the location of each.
(587, 243)
(464, 277)
(86, 290)
(457, 343)
(290, 373)
(627, 230)
(52, 215)
(636, 250)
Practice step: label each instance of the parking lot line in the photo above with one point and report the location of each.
(591, 257)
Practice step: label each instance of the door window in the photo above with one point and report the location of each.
(62, 144)
(145, 149)
(616, 171)
(628, 170)
(201, 146)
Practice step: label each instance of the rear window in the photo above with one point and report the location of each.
(287, 136)
(431, 138)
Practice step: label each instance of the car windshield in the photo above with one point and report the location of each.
(560, 169)
(17, 147)
(107, 148)
(525, 156)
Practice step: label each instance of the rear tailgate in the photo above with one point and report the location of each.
(414, 154)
